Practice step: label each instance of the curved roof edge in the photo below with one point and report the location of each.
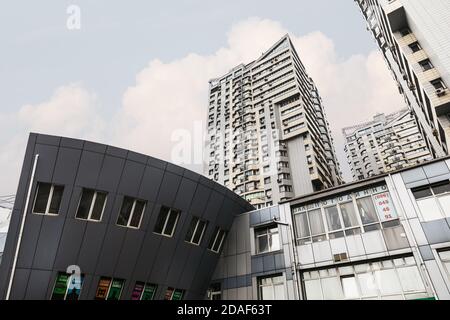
(75, 143)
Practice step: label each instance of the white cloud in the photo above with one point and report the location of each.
(174, 95)
(71, 111)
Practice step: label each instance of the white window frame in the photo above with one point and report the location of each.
(191, 241)
(215, 240)
(267, 233)
(49, 200)
(132, 214)
(165, 223)
(436, 198)
(91, 208)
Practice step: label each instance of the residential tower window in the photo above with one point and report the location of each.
(271, 288)
(144, 291)
(217, 240)
(438, 84)
(131, 212)
(415, 46)
(267, 239)
(196, 230)
(91, 206)
(48, 198)
(167, 221)
(67, 287)
(109, 289)
(426, 64)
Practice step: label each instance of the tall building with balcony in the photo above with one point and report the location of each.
(414, 38)
(268, 137)
(389, 142)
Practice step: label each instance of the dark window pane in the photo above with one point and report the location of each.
(218, 244)
(161, 220)
(191, 229)
(40, 205)
(59, 291)
(137, 214)
(198, 234)
(372, 227)
(168, 294)
(74, 287)
(149, 292)
(125, 211)
(115, 290)
(213, 238)
(441, 187)
(137, 291)
(178, 294)
(99, 204)
(171, 223)
(102, 288)
(56, 199)
(422, 192)
(85, 204)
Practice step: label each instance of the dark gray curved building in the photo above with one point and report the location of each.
(135, 226)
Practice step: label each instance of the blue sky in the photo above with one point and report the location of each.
(113, 80)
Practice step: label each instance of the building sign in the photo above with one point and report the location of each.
(385, 208)
(342, 198)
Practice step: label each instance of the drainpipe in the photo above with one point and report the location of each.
(22, 224)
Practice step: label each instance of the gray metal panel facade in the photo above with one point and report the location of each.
(51, 243)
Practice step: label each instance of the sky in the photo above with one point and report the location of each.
(135, 74)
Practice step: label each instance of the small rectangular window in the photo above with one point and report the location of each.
(91, 206)
(426, 64)
(367, 210)
(217, 240)
(271, 288)
(174, 294)
(109, 289)
(415, 46)
(167, 221)
(196, 230)
(67, 287)
(215, 291)
(48, 198)
(267, 239)
(438, 84)
(421, 192)
(131, 212)
(143, 291)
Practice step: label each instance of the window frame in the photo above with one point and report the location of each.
(191, 240)
(212, 243)
(91, 207)
(69, 277)
(166, 220)
(433, 196)
(267, 233)
(130, 218)
(272, 284)
(49, 199)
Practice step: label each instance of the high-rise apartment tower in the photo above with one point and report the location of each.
(414, 37)
(389, 142)
(269, 139)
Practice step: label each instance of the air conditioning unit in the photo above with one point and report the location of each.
(440, 92)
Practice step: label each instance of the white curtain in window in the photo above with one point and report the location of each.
(350, 287)
(445, 204)
(301, 224)
(267, 293)
(313, 290)
(388, 282)
(279, 291)
(429, 209)
(366, 210)
(367, 284)
(410, 279)
(332, 289)
(349, 215)
(316, 221)
(333, 221)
